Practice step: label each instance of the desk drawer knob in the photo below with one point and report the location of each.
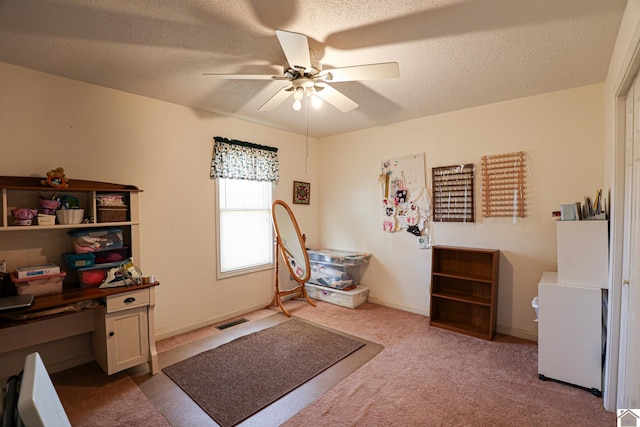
(129, 300)
(111, 333)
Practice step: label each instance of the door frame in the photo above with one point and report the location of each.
(616, 98)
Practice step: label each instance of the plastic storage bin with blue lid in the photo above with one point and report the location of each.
(75, 261)
(96, 239)
(338, 257)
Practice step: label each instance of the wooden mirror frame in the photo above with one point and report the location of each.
(300, 269)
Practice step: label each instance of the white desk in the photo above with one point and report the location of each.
(122, 327)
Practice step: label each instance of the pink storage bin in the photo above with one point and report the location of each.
(94, 276)
(39, 285)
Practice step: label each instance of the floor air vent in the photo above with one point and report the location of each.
(233, 323)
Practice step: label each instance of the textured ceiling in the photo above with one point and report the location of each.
(453, 54)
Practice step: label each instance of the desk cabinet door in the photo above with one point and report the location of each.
(127, 344)
(126, 335)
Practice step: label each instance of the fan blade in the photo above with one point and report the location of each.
(296, 49)
(277, 99)
(335, 98)
(385, 70)
(242, 76)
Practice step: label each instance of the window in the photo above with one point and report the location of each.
(245, 174)
(245, 234)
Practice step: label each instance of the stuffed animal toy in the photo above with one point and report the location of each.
(24, 216)
(56, 178)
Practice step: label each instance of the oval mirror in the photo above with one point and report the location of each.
(290, 241)
(291, 244)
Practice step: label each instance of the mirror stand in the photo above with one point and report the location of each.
(300, 290)
(289, 243)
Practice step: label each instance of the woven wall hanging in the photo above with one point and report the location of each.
(504, 185)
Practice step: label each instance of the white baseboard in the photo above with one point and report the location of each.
(518, 333)
(63, 365)
(58, 355)
(514, 332)
(402, 307)
(209, 322)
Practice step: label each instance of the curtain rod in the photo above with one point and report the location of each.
(245, 144)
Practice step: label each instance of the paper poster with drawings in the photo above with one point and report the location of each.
(405, 200)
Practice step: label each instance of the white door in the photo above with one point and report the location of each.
(629, 365)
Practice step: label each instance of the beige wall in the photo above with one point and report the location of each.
(164, 149)
(562, 134)
(106, 135)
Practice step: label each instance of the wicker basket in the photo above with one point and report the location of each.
(70, 216)
(112, 214)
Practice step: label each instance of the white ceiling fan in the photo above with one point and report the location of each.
(308, 78)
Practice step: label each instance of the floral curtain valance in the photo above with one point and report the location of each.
(243, 160)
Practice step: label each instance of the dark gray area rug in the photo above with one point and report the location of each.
(235, 380)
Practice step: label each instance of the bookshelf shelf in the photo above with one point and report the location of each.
(464, 290)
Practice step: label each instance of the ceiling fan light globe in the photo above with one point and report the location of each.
(297, 105)
(316, 102)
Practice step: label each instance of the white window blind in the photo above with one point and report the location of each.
(245, 239)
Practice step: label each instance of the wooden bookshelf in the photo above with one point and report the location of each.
(464, 290)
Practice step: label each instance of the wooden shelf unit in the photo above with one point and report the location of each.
(24, 191)
(464, 290)
(123, 327)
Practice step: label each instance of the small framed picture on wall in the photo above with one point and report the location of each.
(301, 192)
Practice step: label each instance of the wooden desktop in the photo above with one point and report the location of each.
(121, 322)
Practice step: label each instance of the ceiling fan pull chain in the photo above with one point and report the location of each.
(306, 135)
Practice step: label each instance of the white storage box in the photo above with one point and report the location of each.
(44, 219)
(349, 299)
(37, 270)
(337, 269)
(583, 253)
